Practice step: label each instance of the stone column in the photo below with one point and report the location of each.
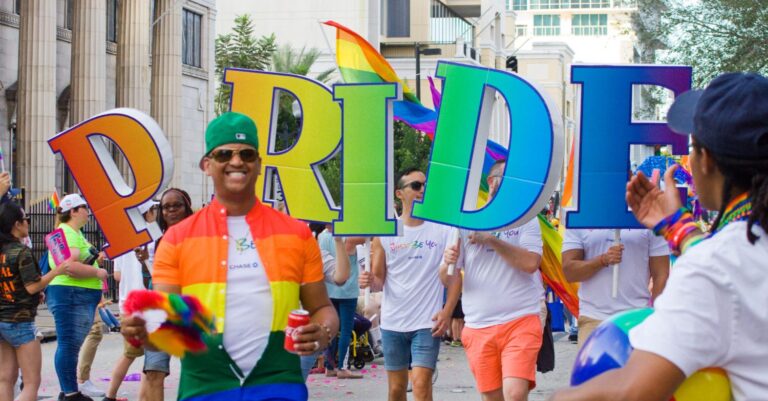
(36, 98)
(133, 73)
(133, 47)
(166, 75)
(89, 59)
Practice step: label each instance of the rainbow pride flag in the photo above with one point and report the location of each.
(552, 267)
(53, 201)
(359, 62)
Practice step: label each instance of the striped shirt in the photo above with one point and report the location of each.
(193, 255)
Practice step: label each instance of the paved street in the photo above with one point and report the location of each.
(454, 381)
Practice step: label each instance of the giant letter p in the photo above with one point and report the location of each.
(110, 198)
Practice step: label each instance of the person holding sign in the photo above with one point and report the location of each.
(712, 312)
(413, 318)
(73, 297)
(251, 265)
(642, 257)
(502, 301)
(20, 285)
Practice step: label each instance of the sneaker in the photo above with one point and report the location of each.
(90, 389)
(455, 343)
(574, 338)
(78, 396)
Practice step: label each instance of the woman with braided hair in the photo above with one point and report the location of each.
(714, 309)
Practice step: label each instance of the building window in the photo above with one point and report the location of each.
(518, 5)
(549, 4)
(399, 18)
(546, 25)
(70, 12)
(521, 30)
(590, 3)
(589, 24)
(17, 7)
(112, 9)
(191, 43)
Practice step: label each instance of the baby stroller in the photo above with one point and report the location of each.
(360, 350)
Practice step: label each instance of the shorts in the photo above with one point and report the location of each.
(504, 350)
(586, 326)
(157, 361)
(417, 346)
(130, 351)
(458, 312)
(17, 334)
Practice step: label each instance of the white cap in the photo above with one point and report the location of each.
(144, 207)
(71, 201)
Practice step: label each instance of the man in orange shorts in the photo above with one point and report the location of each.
(501, 300)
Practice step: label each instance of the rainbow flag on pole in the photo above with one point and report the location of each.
(359, 62)
(53, 201)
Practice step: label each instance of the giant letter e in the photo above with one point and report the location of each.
(607, 131)
(111, 200)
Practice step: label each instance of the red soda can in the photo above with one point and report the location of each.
(296, 319)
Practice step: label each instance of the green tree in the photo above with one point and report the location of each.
(298, 62)
(713, 36)
(241, 49)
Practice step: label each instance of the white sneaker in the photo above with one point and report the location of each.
(90, 389)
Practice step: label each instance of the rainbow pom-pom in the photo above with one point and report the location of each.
(186, 322)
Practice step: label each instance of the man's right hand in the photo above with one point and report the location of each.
(365, 279)
(613, 256)
(134, 329)
(451, 254)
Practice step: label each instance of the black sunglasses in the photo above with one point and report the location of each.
(225, 155)
(28, 219)
(415, 185)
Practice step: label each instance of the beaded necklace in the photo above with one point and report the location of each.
(739, 209)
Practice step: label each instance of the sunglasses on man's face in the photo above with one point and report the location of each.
(27, 219)
(414, 185)
(225, 155)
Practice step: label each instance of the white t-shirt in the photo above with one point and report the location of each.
(595, 298)
(131, 277)
(246, 333)
(714, 312)
(413, 293)
(495, 292)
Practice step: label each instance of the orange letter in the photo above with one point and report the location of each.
(110, 198)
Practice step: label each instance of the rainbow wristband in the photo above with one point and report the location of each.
(666, 224)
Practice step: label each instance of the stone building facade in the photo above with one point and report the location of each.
(64, 61)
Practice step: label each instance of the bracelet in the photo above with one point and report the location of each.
(666, 223)
(691, 242)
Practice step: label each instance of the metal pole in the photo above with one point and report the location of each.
(418, 70)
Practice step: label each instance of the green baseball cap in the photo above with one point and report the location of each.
(230, 127)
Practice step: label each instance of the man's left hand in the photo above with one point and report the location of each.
(310, 339)
(442, 322)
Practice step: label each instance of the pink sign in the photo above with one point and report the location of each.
(57, 246)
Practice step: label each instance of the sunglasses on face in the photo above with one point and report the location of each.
(27, 219)
(74, 209)
(225, 155)
(172, 206)
(414, 185)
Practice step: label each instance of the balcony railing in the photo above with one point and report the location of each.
(445, 25)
